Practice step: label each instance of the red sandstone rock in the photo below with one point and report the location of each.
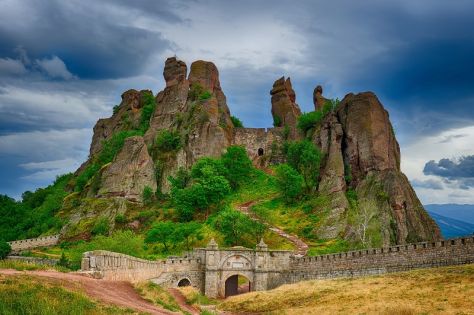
(285, 111)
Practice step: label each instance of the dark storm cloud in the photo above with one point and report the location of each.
(64, 64)
(95, 40)
(461, 170)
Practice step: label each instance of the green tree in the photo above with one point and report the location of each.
(256, 229)
(147, 195)
(236, 122)
(289, 182)
(181, 180)
(188, 233)
(162, 232)
(5, 249)
(233, 225)
(305, 157)
(238, 165)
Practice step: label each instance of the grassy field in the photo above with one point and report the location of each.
(30, 295)
(447, 290)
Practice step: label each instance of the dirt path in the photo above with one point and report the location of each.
(181, 300)
(118, 293)
(302, 247)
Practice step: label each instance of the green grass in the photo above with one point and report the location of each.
(258, 187)
(157, 295)
(20, 265)
(28, 295)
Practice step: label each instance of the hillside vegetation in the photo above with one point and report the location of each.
(447, 290)
(31, 295)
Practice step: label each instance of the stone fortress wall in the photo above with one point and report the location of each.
(208, 268)
(260, 143)
(31, 243)
(383, 260)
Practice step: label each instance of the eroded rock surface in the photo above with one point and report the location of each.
(131, 171)
(285, 111)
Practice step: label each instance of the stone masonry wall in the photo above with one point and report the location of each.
(31, 243)
(254, 139)
(115, 266)
(383, 260)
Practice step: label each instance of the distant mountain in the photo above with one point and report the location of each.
(452, 227)
(455, 211)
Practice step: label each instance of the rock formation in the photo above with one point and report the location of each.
(361, 154)
(131, 171)
(318, 98)
(285, 111)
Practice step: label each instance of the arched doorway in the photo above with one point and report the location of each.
(260, 151)
(184, 282)
(237, 284)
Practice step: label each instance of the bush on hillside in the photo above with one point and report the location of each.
(305, 157)
(236, 122)
(290, 183)
(237, 164)
(5, 249)
(168, 141)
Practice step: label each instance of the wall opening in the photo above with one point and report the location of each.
(260, 151)
(237, 284)
(184, 282)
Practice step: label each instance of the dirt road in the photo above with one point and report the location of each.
(118, 293)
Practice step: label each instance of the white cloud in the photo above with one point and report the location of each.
(48, 170)
(52, 145)
(10, 66)
(451, 144)
(55, 68)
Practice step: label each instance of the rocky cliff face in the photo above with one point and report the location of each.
(361, 155)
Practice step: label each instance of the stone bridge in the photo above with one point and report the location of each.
(213, 271)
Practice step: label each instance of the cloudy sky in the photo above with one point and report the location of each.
(64, 64)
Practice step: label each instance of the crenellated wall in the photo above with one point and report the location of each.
(115, 266)
(209, 268)
(31, 243)
(383, 260)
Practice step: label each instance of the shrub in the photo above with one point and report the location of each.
(276, 121)
(290, 183)
(305, 157)
(308, 121)
(181, 180)
(147, 195)
(205, 96)
(113, 145)
(237, 164)
(195, 90)
(149, 104)
(63, 261)
(101, 227)
(168, 141)
(5, 249)
(120, 219)
(116, 109)
(236, 122)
